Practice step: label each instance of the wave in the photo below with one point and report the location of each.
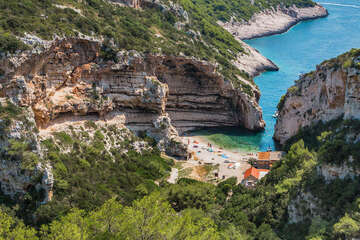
(341, 5)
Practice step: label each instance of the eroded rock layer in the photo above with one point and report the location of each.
(71, 77)
(332, 91)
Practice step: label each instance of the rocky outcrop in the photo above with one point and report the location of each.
(200, 97)
(19, 140)
(252, 62)
(332, 91)
(304, 206)
(332, 172)
(272, 21)
(66, 83)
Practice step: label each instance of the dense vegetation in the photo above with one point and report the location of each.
(99, 173)
(223, 10)
(86, 173)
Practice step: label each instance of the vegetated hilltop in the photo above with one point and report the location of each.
(170, 28)
(158, 28)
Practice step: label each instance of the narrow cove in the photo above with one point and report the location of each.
(295, 52)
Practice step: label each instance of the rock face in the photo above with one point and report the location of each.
(332, 172)
(200, 97)
(70, 78)
(304, 206)
(332, 91)
(17, 177)
(273, 21)
(252, 62)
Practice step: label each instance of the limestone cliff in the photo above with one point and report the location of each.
(70, 77)
(20, 149)
(252, 62)
(333, 90)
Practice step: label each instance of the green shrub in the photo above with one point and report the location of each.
(347, 63)
(281, 103)
(91, 124)
(64, 138)
(9, 43)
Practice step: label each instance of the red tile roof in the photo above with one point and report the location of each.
(254, 172)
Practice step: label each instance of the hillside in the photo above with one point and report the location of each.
(181, 28)
(157, 29)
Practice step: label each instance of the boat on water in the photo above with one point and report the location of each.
(276, 114)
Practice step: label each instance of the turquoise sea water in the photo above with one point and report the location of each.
(298, 51)
(238, 139)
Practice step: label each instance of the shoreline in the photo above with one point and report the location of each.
(263, 24)
(217, 156)
(285, 30)
(272, 22)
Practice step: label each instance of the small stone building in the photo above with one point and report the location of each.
(252, 175)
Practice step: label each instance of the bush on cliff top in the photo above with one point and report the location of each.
(345, 60)
(9, 43)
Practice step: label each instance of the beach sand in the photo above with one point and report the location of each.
(202, 154)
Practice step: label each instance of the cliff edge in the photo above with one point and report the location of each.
(329, 92)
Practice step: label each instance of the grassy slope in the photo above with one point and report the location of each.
(129, 29)
(225, 9)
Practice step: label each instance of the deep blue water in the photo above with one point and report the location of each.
(299, 51)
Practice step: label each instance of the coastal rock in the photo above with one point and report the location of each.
(252, 62)
(67, 84)
(272, 21)
(167, 137)
(330, 92)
